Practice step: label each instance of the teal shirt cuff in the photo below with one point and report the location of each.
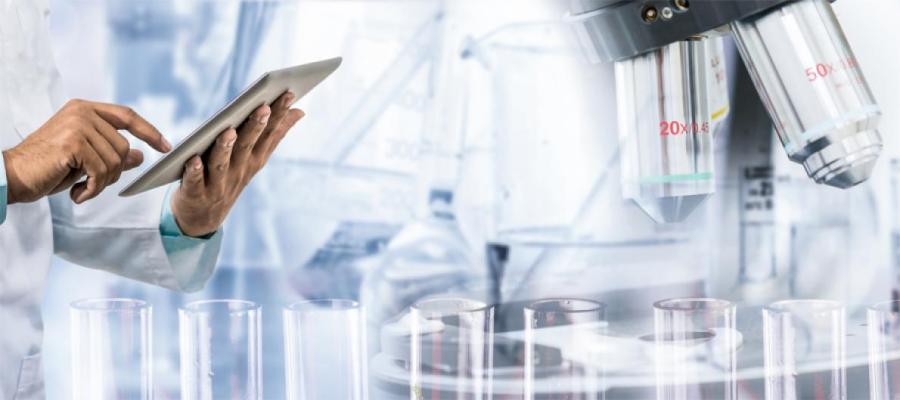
(3, 198)
(192, 259)
(168, 227)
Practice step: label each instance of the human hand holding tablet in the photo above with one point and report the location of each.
(218, 160)
(298, 80)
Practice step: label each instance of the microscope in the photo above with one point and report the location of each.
(665, 54)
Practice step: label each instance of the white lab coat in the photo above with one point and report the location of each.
(118, 235)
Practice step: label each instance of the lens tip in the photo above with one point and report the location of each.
(851, 176)
(670, 209)
(845, 163)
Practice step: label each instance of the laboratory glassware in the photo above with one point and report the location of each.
(895, 227)
(353, 175)
(805, 349)
(665, 128)
(557, 170)
(220, 350)
(553, 328)
(695, 349)
(815, 92)
(883, 320)
(451, 341)
(325, 350)
(559, 213)
(821, 230)
(112, 349)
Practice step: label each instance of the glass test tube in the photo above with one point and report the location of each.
(451, 349)
(814, 90)
(551, 324)
(324, 350)
(220, 350)
(884, 350)
(665, 132)
(111, 349)
(805, 350)
(695, 349)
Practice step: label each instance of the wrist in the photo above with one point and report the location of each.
(188, 226)
(192, 231)
(12, 178)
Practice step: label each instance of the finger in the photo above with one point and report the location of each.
(279, 111)
(133, 159)
(267, 144)
(219, 160)
(114, 162)
(125, 118)
(112, 135)
(248, 134)
(192, 180)
(95, 169)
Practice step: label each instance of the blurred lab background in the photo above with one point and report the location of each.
(465, 147)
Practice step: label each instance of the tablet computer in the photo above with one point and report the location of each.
(300, 80)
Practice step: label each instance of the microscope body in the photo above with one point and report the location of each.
(669, 88)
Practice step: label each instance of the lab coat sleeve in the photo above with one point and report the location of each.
(3, 199)
(132, 238)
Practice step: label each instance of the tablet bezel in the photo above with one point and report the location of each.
(300, 80)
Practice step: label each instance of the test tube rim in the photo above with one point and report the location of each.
(305, 306)
(879, 307)
(778, 306)
(88, 304)
(720, 304)
(417, 306)
(598, 306)
(197, 306)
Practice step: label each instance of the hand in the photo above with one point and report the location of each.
(212, 183)
(81, 139)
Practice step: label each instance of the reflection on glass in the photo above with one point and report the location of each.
(884, 350)
(111, 349)
(695, 350)
(805, 349)
(220, 350)
(554, 328)
(451, 343)
(324, 350)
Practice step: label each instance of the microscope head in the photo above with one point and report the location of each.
(801, 64)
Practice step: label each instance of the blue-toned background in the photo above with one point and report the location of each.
(447, 120)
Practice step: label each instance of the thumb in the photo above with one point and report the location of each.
(133, 159)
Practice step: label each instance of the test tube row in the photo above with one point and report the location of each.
(451, 349)
(220, 350)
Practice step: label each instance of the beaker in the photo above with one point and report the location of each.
(884, 350)
(220, 350)
(696, 349)
(814, 90)
(552, 326)
(805, 349)
(325, 350)
(554, 125)
(112, 349)
(451, 344)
